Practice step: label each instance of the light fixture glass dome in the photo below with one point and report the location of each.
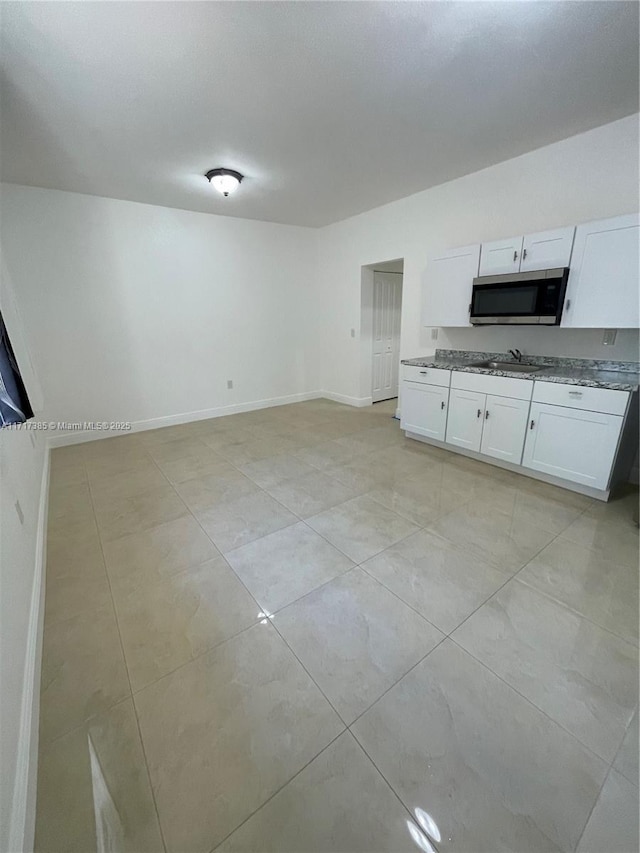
(225, 181)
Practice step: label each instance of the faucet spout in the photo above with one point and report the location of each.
(517, 355)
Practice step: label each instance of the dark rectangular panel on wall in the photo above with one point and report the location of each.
(15, 407)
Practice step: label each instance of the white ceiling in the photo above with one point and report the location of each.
(328, 108)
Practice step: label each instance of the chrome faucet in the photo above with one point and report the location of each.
(516, 354)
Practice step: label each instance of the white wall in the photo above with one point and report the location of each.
(23, 480)
(140, 312)
(590, 176)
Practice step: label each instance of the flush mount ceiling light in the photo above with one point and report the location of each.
(225, 181)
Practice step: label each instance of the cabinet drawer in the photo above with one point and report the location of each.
(427, 375)
(500, 386)
(581, 397)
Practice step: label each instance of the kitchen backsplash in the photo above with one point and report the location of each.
(531, 340)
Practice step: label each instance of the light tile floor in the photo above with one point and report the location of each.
(296, 630)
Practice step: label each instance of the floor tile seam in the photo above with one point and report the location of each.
(126, 664)
(129, 470)
(363, 568)
(634, 645)
(604, 761)
(330, 703)
(593, 807)
(196, 657)
(47, 624)
(305, 521)
(488, 560)
(398, 680)
(315, 589)
(44, 745)
(494, 594)
(606, 776)
(276, 792)
(355, 562)
(300, 520)
(389, 785)
(563, 604)
(398, 512)
(619, 750)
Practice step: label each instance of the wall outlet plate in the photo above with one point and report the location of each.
(229, 383)
(609, 337)
(434, 334)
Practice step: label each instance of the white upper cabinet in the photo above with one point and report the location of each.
(547, 249)
(501, 256)
(542, 251)
(602, 292)
(446, 290)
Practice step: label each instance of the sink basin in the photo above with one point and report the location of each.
(510, 366)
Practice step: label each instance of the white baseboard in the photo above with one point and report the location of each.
(23, 809)
(358, 402)
(80, 436)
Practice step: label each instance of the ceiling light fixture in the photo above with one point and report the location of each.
(225, 181)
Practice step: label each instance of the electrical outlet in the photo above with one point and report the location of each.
(353, 333)
(434, 334)
(19, 511)
(229, 383)
(609, 337)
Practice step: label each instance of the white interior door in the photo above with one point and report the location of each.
(387, 310)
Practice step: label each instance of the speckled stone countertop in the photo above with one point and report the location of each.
(617, 375)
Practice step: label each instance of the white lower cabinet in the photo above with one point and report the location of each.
(424, 409)
(505, 425)
(573, 444)
(466, 416)
(487, 424)
(567, 432)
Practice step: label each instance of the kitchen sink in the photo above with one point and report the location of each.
(510, 366)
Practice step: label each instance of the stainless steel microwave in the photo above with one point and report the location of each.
(528, 298)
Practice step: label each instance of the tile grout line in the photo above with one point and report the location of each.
(313, 680)
(126, 664)
(281, 788)
(533, 705)
(361, 566)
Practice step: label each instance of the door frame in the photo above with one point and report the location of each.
(366, 325)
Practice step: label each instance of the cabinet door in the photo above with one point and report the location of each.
(446, 292)
(466, 414)
(505, 427)
(547, 249)
(424, 409)
(571, 443)
(602, 292)
(501, 256)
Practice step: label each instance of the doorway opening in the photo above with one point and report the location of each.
(381, 306)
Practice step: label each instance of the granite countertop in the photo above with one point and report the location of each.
(616, 375)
